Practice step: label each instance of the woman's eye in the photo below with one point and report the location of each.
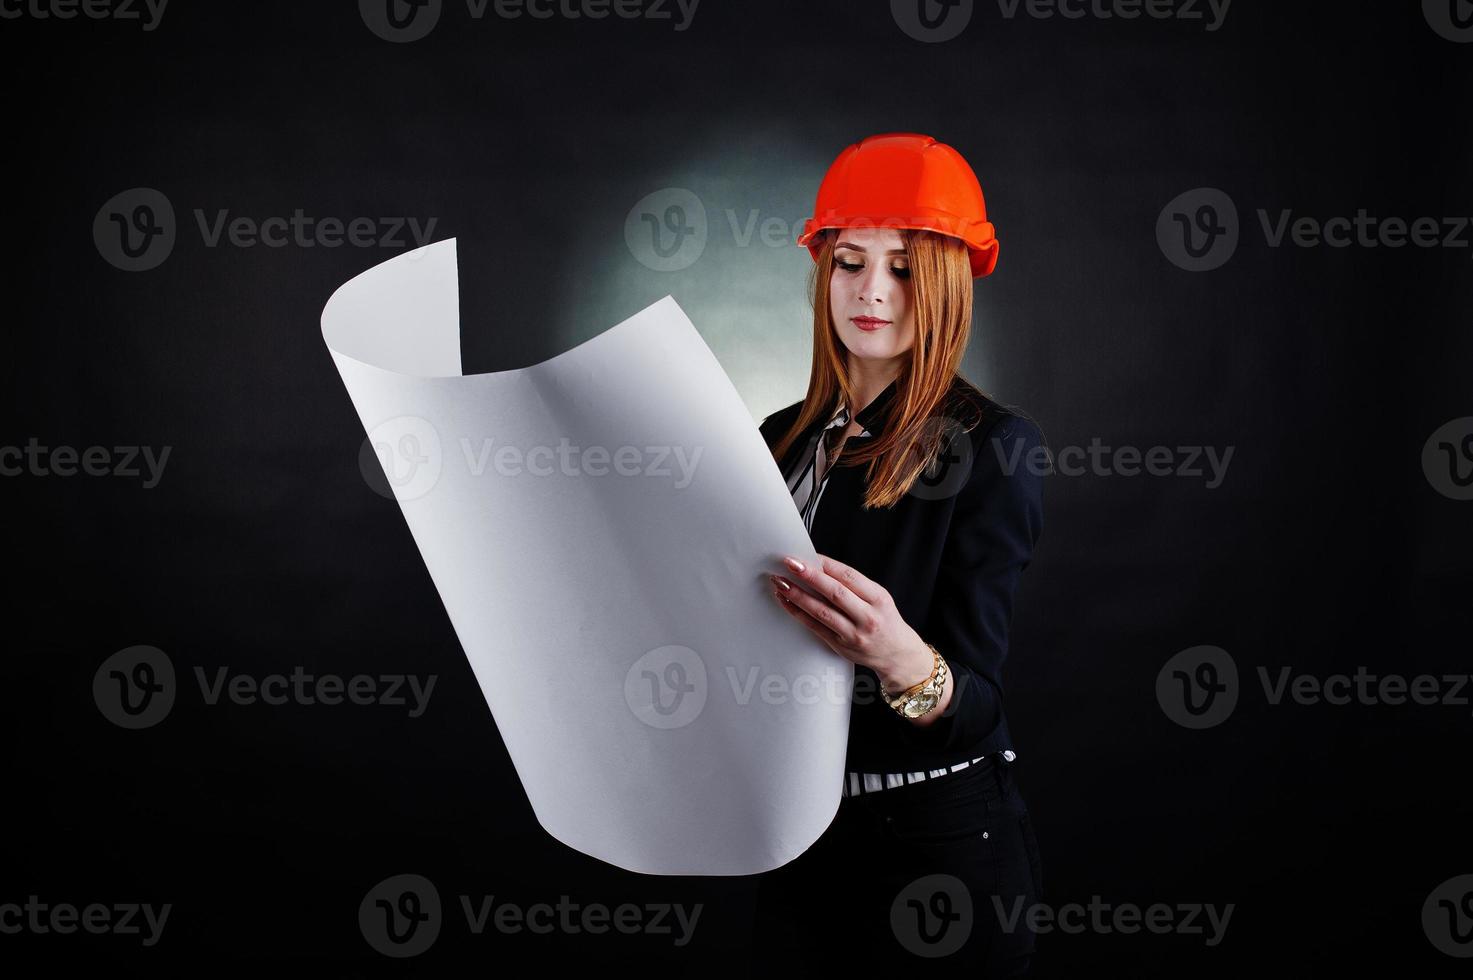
(900, 271)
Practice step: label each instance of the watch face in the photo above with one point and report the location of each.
(920, 704)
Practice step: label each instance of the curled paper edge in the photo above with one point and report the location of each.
(787, 794)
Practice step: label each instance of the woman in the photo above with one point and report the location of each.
(924, 507)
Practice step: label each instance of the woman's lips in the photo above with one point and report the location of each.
(869, 322)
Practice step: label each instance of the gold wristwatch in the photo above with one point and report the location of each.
(920, 698)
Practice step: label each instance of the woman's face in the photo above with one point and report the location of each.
(870, 285)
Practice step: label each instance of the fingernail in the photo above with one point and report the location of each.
(794, 564)
(779, 583)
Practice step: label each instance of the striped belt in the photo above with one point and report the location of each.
(859, 783)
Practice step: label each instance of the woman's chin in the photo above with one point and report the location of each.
(868, 346)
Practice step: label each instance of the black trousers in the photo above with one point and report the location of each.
(942, 870)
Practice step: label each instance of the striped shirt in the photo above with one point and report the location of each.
(807, 477)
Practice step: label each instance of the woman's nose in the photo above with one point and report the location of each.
(872, 287)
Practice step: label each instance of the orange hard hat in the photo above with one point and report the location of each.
(904, 180)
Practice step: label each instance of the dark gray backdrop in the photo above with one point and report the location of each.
(1326, 548)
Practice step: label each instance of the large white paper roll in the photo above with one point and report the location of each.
(600, 527)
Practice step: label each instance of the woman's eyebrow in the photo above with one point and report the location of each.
(893, 251)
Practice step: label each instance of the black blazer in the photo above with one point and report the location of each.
(950, 553)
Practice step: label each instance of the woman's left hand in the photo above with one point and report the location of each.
(856, 617)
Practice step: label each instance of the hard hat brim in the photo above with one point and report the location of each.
(981, 241)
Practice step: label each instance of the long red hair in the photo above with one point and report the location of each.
(941, 283)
